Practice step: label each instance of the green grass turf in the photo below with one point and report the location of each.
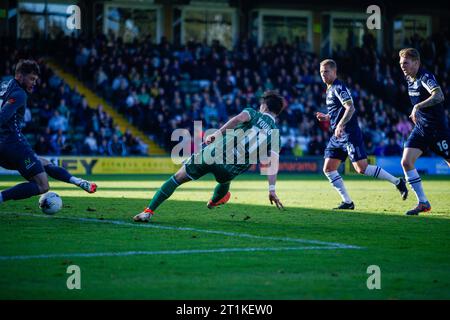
(413, 253)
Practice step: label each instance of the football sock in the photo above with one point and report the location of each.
(58, 173)
(21, 191)
(337, 182)
(415, 182)
(380, 173)
(1, 197)
(220, 191)
(163, 193)
(76, 181)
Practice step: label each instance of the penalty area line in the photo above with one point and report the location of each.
(217, 232)
(166, 252)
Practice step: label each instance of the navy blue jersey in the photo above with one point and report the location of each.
(420, 89)
(13, 99)
(337, 95)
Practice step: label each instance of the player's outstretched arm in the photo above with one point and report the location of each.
(231, 124)
(272, 177)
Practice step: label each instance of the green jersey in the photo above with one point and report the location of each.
(238, 149)
(247, 144)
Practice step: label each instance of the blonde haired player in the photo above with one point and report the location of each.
(431, 127)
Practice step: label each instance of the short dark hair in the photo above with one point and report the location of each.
(274, 101)
(27, 66)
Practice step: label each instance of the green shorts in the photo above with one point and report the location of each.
(197, 168)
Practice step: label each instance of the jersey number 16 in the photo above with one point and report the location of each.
(442, 145)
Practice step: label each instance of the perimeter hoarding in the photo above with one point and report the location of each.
(165, 165)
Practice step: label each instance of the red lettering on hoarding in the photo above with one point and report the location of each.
(306, 166)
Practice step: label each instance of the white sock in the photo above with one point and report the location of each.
(337, 182)
(415, 182)
(76, 181)
(380, 173)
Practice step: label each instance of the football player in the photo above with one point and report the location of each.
(430, 130)
(15, 151)
(347, 138)
(236, 162)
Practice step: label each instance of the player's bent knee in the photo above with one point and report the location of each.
(42, 181)
(330, 165)
(181, 176)
(407, 164)
(360, 170)
(44, 188)
(360, 166)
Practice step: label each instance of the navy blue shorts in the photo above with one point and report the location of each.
(19, 156)
(350, 145)
(438, 141)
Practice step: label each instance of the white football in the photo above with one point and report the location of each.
(50, 203)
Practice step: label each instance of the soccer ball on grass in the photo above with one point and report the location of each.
(50, 203)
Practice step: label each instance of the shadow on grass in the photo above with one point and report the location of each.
(401, 245)
(351, 227)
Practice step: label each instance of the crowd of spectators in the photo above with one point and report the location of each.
(160, 87)
(59, 120)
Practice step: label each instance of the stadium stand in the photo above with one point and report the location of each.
(60, 121)
(197, 81)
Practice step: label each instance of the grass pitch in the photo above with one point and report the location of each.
(246, 249)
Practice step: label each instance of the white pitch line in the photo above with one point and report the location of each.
(167, 252)
(224, 233)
